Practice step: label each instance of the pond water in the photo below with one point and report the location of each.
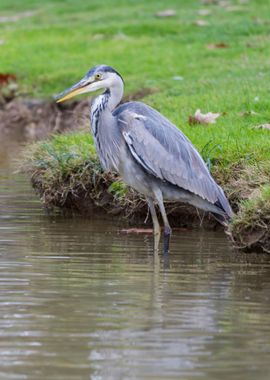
(80, 300)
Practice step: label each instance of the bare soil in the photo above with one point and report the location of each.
(36, 119)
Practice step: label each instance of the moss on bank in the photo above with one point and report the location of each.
(66, 173)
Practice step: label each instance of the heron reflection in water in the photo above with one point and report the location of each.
(150, 153)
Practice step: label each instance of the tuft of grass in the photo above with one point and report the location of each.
(66, 172)
(62, 166)
(250, 227)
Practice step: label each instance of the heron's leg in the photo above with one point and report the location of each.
(167, 228)
(156, 225)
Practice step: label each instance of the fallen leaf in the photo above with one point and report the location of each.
(260, 21)
(166, 13)
(251, 45)
(98, 36)
(8, 86)
(178, 77)
(120, 36)
(223, 3)
(262, 126)
(204, 12)
(208, 2)
(200, 118)
(6, 78)
(234, 8)
(17, 16)
(219, 45)
(201, 23)
(249, 113)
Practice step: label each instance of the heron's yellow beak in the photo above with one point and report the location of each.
(70, 95)
(79, 88)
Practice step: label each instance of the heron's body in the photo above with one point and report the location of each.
(151, 154)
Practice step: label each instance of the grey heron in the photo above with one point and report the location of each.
(150, 153)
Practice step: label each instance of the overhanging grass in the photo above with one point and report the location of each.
(67, 173)
(62, 166)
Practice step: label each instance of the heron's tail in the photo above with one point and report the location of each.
(223, 218)
(223, 205)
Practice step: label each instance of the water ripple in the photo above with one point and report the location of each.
(80, 300)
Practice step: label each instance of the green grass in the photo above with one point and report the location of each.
(57, 45)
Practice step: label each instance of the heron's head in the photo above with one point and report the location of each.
(99, 77)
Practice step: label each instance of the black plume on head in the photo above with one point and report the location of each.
(103, 69)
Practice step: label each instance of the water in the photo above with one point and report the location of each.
(79, 300)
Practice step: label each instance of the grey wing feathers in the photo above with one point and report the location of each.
(165, 152)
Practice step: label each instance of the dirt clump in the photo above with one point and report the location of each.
(35, 119)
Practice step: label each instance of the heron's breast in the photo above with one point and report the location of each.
(134, 176)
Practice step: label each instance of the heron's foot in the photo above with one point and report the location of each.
(167, 237)
(167, 231)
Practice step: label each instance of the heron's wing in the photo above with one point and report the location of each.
(164, 151)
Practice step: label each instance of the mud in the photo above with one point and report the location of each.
(36, 119)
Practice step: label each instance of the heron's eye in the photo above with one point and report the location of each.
(98, 76)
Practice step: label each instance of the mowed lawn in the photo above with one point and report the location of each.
(51, 44)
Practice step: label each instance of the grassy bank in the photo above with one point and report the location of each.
(212, 55)
(66, 173)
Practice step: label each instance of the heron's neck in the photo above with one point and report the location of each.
(109, 99)
(103, 125)
(104, 104)
(115, 94)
